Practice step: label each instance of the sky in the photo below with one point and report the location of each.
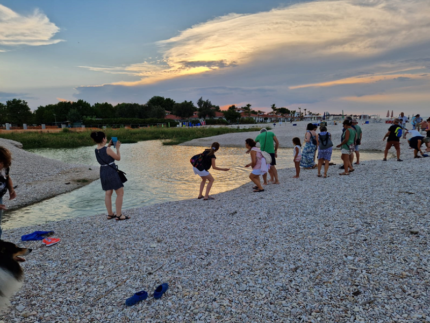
(360, 56)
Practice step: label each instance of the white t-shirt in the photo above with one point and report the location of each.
(297, 154)
(403, 120)
(415, 133)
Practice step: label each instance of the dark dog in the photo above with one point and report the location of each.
(11, 273)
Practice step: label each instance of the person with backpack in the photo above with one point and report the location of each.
(311, 144)
(201, 165)
(258, 164)
(394, 134)
(269, 143)
(325, 150)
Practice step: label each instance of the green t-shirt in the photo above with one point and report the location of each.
(351, 139)
(358, 129)
(266, 142)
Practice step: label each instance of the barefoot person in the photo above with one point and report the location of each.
(325, 150)
(297, 155)
(394, 134)
(347, 146)
(258, 164)
(202, 169)
(108, 175)
(359, 136)
(269, 143)
(5, 180)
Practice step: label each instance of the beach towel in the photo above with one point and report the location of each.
(36, 235)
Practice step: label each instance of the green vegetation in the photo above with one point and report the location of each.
(70, 139)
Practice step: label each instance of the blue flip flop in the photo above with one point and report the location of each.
(160, 290)
(136, 298)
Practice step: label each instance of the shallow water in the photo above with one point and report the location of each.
(155, 173)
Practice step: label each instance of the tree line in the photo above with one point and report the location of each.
(17, 111)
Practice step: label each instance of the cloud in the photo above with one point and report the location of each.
(306, 30)
(5, 96)
(31, 30)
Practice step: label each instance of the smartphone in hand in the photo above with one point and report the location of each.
(114, 140)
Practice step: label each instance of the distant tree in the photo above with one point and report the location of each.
(273, 107)
(216, 108)
(82, 107)
(283, 111)
(74, 116)
(157, 112)
(159, 101)
(18, 112)
(247, 109)
(231, 114)
(184, 109)
(205, 109)
(104, 110)
(132, 110)
(3, 113)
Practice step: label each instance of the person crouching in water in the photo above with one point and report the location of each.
(109, 177)
(202, 170)
(258, 164)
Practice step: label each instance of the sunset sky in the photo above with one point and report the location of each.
(360, 56)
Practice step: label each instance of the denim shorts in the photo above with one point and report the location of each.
(357, 147)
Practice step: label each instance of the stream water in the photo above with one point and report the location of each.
(155, 173)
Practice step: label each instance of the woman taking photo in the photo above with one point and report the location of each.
(201, 168)
(347, 145)
(311, 143)
(258, 164)
(109, 176)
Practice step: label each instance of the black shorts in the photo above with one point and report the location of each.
(413, 142)
(273, 163)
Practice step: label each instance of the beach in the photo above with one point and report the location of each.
(339, 249)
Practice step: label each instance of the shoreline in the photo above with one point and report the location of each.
(39, 178)
(301, 249)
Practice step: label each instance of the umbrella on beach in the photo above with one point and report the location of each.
(323, 116)
(388, 113)
(392, 113)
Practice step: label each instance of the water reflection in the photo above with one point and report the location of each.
(155, 173)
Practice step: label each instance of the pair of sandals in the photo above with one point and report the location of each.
(209, 198)
(121, 217)
(257, 190)
(325, 176)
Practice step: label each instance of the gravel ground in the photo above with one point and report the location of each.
(341, 249)
(40, 178)
(372, 136)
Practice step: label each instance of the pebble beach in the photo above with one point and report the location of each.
(340, 249)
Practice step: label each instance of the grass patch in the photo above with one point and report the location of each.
(83, 180)
(71, 139)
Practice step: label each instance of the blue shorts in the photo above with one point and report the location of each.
(357, 148)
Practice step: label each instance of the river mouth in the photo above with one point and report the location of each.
(156, 174)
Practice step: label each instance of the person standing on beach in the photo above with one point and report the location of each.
(257, 163)
(347, 146)
(270, 144)
(5, 180)
(297, 155)
(418, 121)
(202, 169)
(402, 122)
(311, 143)
(109, 176)
(394, 134)
(427, 139)
(325, 150)
(358, 138)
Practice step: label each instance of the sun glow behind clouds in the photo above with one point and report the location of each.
(306, 30)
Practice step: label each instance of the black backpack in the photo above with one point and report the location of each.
(325, 141)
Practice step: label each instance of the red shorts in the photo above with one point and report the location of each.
(390, 144)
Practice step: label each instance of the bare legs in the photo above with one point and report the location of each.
(346, 164)
(326, 165)
(273, 176)
(118, 202)
(256, 180)
(297, 164)
(210, 180)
